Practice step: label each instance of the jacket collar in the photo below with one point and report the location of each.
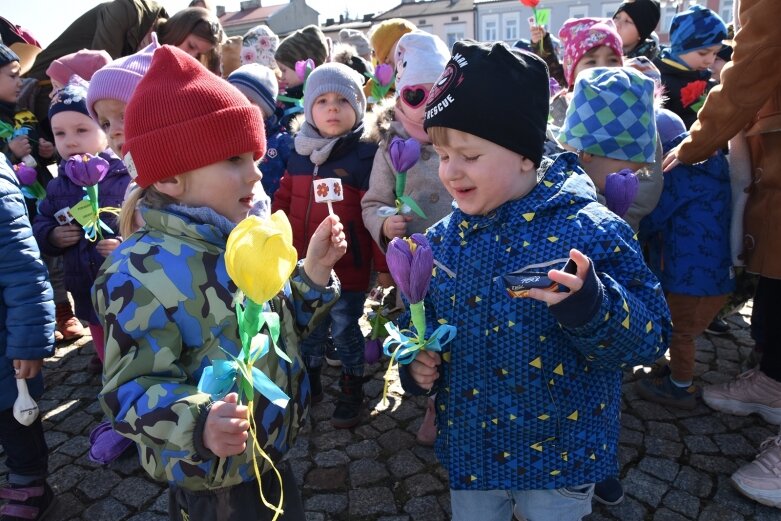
(171, 222)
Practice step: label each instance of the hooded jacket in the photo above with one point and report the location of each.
(166, 304)
(423, 184)
(529, 397)
(81, 261)
(685, 88)
(26, 306)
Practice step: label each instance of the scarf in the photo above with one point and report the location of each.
(310, 143)
(413, 127)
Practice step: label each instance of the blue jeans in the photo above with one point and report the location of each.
(342, 321)
(563, 504)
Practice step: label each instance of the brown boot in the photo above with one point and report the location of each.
(67, 324)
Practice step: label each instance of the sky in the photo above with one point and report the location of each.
(46, 19)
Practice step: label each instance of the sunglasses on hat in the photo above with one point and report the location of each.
(414, 95)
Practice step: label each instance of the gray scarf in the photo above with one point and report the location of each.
(310, 143)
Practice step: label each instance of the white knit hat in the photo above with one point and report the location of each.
(420, 58)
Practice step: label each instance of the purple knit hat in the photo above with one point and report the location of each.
(118, 79)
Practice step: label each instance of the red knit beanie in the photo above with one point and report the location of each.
(182, 117)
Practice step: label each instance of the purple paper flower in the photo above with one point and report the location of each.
(404, 153)
(25, 174)
(411, 262)
(86, 170)
(371, 350)
(620, 191)
(304, 67)
(384, 74)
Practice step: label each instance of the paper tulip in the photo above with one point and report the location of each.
(403, 155)
(383, 78)
(530, 3)
(411, 262)
(28, 178)
(260, 256)
(304, 68)
(86, 170)
(620, 191)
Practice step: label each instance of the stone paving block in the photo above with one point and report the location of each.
(128, 463)
(694, 482)
(628, 509)
(425, 509)
(719, 513)
(57, 461)
(363, 449)
(330, 503)
(314, 516)
(332, 440)
(300, 448)
(664, 514)
(404, 464)
(384, 423)
(651, 411)
(161, 503)
(75, 446)
(627, 455)
(322, 411)
(683, 503)
(331, 458)
(729, 498)
(393, 518)
(68, 505)
(60, 392)
(366, 432)
(327, 479)
(734, 445)
(372, 501)
(630, 437)
(659, 447)
(396, 440)
(366, 472)
(299, 468)
(78, 379)
(663, 430)
(148, 516)
(66, 477)
(136, 492)
(54, 439)
(76, 423)
(700, 444)
(425, 454)
(423, 485)
(99, 483)
(644, 487)
(704, 425)
(407, 411)
(713, 464)
(661, 468)
(106, 509)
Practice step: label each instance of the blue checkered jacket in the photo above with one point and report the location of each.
(524, 401)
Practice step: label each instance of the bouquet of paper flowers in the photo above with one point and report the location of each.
(87, 171)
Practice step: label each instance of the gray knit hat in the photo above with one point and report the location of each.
(258, 83)
(357, 39)
(339, 78)
(308, 42)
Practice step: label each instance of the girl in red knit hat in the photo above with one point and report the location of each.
(192, 142)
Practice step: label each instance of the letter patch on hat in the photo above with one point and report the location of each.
(441, 95)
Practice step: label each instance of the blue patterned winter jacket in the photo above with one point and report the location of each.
(529, 396)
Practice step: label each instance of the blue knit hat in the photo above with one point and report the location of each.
(258, 84)
(612, 115)
(696, 28)
(72, 97)
(670, 126)
(7, 55)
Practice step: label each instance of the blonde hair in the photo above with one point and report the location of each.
(149, 197)
(438, 135)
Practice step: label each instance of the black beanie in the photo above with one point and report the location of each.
(493, 92)
(644, 13)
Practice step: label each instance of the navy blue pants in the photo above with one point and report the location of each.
(27, 456)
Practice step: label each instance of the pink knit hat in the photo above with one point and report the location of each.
(118, 79)
(579, 35)
(83, 63)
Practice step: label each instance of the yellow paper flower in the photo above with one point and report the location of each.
(260, 255)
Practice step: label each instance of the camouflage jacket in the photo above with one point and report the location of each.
(165, 300)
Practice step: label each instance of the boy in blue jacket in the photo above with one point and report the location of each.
(26, 338)
(529, 391)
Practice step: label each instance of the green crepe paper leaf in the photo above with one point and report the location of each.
(542, 16)
(409, 201)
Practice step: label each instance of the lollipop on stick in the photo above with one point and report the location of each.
(327, 191)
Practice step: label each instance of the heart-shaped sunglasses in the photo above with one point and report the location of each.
(414, 95)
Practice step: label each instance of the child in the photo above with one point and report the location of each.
(42, 151)
(259, 85)
(688, 245)
(303, 44)
(422, 59)
(383, 38)
(622, 136)
(529, 391)
(111, 89)
(26, 338)
(166, 301)
(83, 63)
(329, 145)
(696, 37)
(76, 134)
(636, 21)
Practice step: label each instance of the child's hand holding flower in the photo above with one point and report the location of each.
(226, 430)
(572, 282)
(327, 245)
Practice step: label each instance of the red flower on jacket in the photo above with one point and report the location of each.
(692, 92)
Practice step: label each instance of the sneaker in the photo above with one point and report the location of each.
(750, 392)
(663, 390)
(331, 357)
(609, 491)
(760, 480)
(33, 501)
(718, 327)
(67, 323)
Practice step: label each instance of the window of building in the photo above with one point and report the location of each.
(726, 10)
(609, 9)
(511, 28)
(668, 13)
(490, 28)
(578, 11)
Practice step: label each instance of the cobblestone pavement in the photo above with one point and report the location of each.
(675, 464)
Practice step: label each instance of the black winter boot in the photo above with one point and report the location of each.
(313, 373)
(349, 405)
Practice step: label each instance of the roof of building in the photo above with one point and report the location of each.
(253, 15)
(427, 8)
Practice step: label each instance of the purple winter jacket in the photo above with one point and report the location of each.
(82, 260)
